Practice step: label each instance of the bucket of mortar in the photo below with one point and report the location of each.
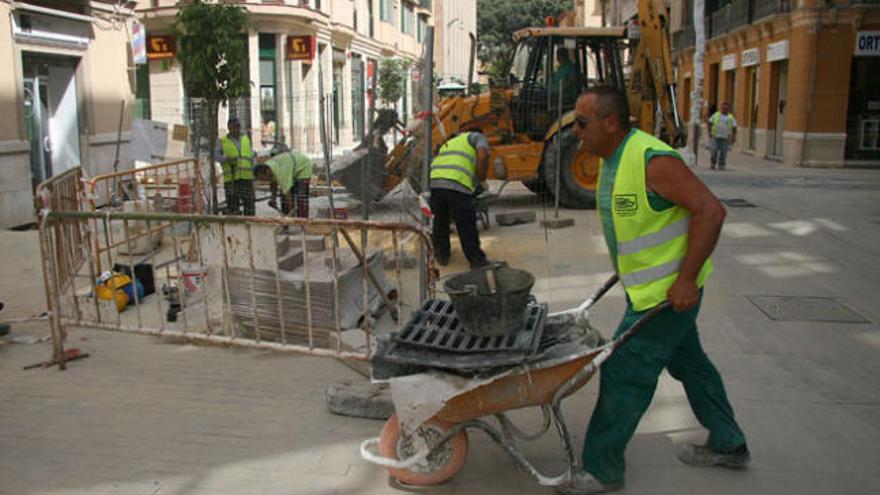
(492, 303)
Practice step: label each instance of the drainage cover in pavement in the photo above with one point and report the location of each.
(737, 202)
(802, 308)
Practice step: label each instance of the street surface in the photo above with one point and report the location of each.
(143, 416)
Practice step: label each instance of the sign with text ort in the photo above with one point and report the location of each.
(867, 44)
(301, 48)
(160, 46)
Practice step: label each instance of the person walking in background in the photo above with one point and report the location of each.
(238, 170)
(291, 172)
(460, 165)
(661, 223)
(722, 129)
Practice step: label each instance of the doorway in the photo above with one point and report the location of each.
(777, 149)
(357, 96)
(753, 76)
(51, 113)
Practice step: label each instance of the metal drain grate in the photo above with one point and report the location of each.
(801, 308)
(738, 203)
(436, 326)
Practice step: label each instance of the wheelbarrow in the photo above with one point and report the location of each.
(438, 448)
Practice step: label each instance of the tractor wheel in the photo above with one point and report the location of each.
(437, 467)
(580, 171)
(537, 185)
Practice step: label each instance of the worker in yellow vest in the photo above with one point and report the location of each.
(291, 173)
(238, 170)
(456, 171)
(661, 223)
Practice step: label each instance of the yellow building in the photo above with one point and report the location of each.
(797, 76)
(64, 80)
(291, 44)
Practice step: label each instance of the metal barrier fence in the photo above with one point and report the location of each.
(322, 287)
(172, 187)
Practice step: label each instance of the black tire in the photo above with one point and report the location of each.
(537, 185)
(571, 194)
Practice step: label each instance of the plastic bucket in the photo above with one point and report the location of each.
(485, 312)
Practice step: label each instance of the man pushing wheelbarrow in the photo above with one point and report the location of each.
(661, 224)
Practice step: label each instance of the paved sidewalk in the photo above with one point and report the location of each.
(146, 416)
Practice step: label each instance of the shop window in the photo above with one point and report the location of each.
(142, 94)
(870, 135)
(268, 95)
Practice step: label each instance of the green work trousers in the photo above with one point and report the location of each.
(629, 378)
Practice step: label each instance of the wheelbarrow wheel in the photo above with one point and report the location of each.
(437, 467)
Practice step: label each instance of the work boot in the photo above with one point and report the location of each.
(703, 456)
(583, 483)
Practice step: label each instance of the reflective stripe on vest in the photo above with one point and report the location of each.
(456, 161)
(243, 165)
(650, 244)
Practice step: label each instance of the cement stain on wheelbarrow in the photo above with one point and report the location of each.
(805, 308)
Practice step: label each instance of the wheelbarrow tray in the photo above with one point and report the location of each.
(532, 385)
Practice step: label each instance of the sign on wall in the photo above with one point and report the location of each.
(777, 51)
(138, 42)
(301, 48)
(728, 62)
(867, 44)
(160, 46)
(751, 57)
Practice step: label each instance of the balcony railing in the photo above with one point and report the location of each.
(683, 38)
(727, 18)
(766, 8)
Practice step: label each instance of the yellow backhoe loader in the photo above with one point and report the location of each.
(528, 115)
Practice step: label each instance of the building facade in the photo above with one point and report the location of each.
(796, 74)
(454, 22)
(66, 81)
(293, 43)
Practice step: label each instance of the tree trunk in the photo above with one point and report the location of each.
(213, 110)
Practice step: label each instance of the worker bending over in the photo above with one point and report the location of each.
(291, 172)
(456, 171)
(661, 223)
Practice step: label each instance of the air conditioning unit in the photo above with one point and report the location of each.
(48, 27)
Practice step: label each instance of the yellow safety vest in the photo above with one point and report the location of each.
(244, 166)
(456, 161)
(650, 244)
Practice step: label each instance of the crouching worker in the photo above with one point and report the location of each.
(290, 172)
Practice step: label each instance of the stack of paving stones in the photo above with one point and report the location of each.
(263, 289)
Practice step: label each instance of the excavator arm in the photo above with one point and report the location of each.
(652, 83)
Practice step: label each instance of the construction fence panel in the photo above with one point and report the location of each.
(321, 287)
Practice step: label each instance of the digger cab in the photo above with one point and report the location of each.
(552, 66)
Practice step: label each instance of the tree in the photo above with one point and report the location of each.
(212, 49)
(497, 20)
(393, 74)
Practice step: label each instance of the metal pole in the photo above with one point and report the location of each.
(325, 138)
(558, 153)
(428, 74)
(699, 51)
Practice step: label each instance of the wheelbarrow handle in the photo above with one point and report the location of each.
(640, 324)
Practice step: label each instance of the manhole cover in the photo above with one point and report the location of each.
(738, 202)
(801, 308)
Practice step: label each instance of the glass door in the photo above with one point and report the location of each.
(36, 109)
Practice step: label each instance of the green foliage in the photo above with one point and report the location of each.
(497, 20)
(393, 74)
(212, 48)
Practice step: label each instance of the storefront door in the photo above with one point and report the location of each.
(782, 89)
(754, 81)
(51, 112)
